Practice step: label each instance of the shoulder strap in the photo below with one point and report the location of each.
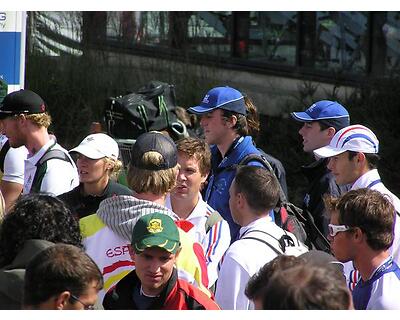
(261, 159)
(3, 153)
(282, 244)
(212, 219)
(265, 242)
(41, 166)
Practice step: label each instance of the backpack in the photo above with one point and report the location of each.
(285, 244)
(290, 217)
(150, 108)
(41, 166)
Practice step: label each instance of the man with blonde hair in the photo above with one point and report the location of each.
(48, 167)
(107, 235)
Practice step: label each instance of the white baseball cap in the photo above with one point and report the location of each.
(97, 146)
(356, 138)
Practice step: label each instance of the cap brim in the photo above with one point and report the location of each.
(200, 110)
(301, 116)
(88, 152)
(166, 244)
(327, 152)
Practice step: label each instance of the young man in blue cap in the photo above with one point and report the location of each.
(154, 284)
(227, 122)
(320, 123)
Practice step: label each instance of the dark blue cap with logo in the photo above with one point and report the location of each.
(225, 98)
(327, 112)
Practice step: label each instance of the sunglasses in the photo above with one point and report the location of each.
(85, 306)
(334, 229)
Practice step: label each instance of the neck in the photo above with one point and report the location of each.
(151, 292)
(249, 217)
(369, 261)
(226, 144)
(183, 207)
(97, 188)
(37, 139)
(160, 199)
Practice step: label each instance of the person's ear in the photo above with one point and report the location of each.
(231, 122)
(204, 178)
(358, 235)
(177, 253)
(360, 157)
(62, 300)
(331, 131)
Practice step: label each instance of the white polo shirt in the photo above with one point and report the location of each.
(60, 177)
(13, 162)
(215, 242)
(243, 259)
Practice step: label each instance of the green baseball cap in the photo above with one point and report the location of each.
(155, 230)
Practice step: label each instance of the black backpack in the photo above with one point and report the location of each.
(150, 108)
(290, 217)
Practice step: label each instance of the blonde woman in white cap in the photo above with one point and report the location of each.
(97, 164)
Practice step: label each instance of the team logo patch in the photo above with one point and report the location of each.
(42, 108)
(155, 226)
(205, 99)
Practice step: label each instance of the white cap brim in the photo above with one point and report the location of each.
(88, 152)
(327, 152)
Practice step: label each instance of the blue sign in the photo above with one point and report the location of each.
(12, 49)
(10, 57)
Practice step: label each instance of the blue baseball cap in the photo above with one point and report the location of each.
(328, 112)
(225, 98)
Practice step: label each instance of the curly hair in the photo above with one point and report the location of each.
(36, 216)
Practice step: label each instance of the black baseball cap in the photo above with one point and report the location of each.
(154, 141)
(22, 101)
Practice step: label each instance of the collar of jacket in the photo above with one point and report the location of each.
(316, 169)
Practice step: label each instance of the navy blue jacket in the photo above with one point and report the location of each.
(222, 174)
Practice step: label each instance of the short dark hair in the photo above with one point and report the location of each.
(372, 158)
(306, 287)
(259, 186)
(258, 282)
(198, 149)
(56, 269)
(36, 216)
(372, 212)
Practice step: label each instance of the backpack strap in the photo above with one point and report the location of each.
(284, 241)
(253, 157)
(3, 153)
(212, 219)
(41, 166)
(265, 242)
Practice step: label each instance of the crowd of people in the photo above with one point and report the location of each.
(195, 227)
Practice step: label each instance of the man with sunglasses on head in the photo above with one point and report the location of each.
(361, 231)
(353, 160)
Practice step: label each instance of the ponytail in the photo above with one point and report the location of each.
(253, 122)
